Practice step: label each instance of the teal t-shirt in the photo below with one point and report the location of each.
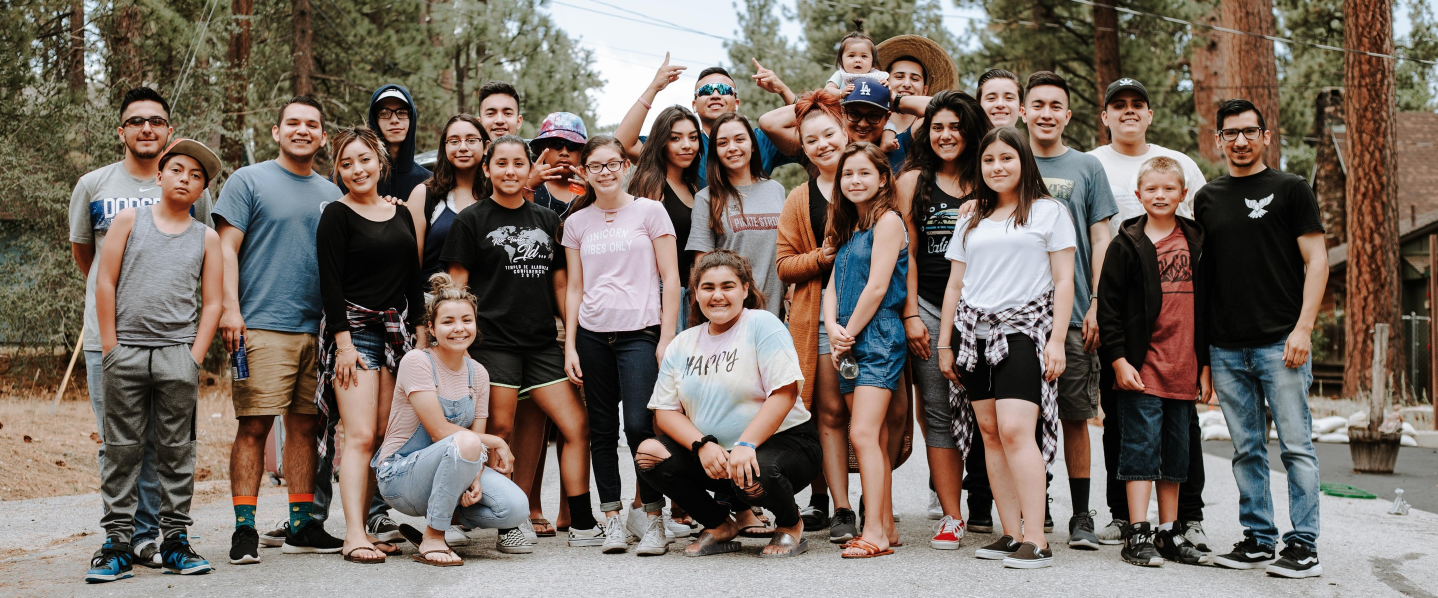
(279, 213)
(1079, 181)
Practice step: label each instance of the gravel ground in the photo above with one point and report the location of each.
(45, 545)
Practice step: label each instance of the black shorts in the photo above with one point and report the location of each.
(522, 370)
(1020, 376)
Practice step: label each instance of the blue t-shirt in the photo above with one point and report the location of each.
(279, 213)
(896, 157)
(769, 154)
(1079, 181)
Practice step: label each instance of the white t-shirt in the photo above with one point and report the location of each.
(1123, 177)
(721, 381)
(1005, 266)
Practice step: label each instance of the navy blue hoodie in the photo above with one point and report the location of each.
(404, 174)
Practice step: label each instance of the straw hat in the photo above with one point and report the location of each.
(939, 70)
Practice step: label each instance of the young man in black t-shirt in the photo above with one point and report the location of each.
(1267, 266)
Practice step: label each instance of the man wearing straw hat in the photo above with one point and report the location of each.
(919, 67)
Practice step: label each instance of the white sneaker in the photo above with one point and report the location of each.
(616, 537)
(587, 537)
(654, 542)
(276, 535)
(637, 524)
(512, 541)
(936, 511)
(528, 529)
(674, 529)
(455, 536)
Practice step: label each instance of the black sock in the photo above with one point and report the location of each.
(1078, 489)
(820, 502)
(581, 512)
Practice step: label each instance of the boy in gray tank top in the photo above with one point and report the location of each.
(154, 336)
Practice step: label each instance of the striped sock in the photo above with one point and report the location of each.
(300, 507)
(245, 511)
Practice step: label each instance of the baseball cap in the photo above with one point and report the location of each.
(194, 149)
(869, 91)
(1123, 84)
(391, 93)
(563, 125)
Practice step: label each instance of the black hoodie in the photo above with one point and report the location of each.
(404, 174)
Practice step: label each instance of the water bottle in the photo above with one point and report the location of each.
(239, 365)
(848, 367)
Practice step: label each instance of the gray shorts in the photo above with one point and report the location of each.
(1078, 385)
(938, 413)
(823, 330)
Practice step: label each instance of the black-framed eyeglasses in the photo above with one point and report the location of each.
(400, 113)
(709, 89)
(469, 141)
(157, 122)
(871, 118)
(1249, 133)
(556, 143)
(611, 166)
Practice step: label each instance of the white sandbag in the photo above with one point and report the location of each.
(1216, 433)
(1408, 441)
(1209, 418)
(1273, 434)
(1409, 430)
(1358, 420)
(1330, 424)
(1337, 437)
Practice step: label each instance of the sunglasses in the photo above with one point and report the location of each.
(556, 143)
(709, 89)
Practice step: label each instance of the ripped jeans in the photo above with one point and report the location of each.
(788, 461)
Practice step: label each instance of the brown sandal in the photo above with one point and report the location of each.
(350, 556)
(423, 558)
(539, 522)
(870, 550)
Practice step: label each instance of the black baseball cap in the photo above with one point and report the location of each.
(1124, 84)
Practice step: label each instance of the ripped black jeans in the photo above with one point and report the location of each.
(788, 461)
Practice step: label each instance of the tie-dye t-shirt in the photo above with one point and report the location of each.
(721, 381)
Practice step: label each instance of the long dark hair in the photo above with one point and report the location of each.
(721, 190)
(1031, 184)
(443, 180)
(590, 146)
(844, 216)
(651, 170)
(973, 123)
(727, 259)
(489, 156)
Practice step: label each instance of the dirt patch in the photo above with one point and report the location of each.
(44, 454)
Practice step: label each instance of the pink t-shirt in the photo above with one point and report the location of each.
(416, 374)
(621, 277)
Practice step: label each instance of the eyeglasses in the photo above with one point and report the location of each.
(1249, 133)
(611, 166)
(871, 118)
(135, 122)
(400, 113)
(709, 89)
(469, 141)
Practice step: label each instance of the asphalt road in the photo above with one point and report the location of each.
(1416, 471)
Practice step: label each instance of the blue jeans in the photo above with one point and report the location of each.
(147, 521)
(1246, 380)
(1155, 438)
(429, 482)
(619, 374)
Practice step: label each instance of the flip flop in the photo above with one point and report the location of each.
(540, 521)
(423, 558)
(870, 550)
(795, 548)
(763, 531)
(393, 550)
(411, 534)
(708, 545)
(350, 556)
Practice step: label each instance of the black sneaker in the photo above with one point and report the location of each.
(1138, 546)
(180, 558)
(311, 539)
(814, 518)
(1002, 548)
(981, 519)
(384, 528)
(1081, 534)
(844, 527)
(1297, 562)
(147, 553)
(112, 562)
(1248, 554)
(244, 546)
(1030, 556)
(1193, 532)
(1174, 547)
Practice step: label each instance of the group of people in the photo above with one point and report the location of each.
(749, 341)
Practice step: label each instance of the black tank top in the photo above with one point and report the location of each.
(936, 227)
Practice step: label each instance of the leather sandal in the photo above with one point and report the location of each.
(708, 545)
(350, 556)
(795, 547)
(870, 550)
(540, 522)
(423, 558)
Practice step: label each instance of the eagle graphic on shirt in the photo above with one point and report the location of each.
(1258, 205)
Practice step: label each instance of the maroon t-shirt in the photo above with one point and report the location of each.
(1170, 370)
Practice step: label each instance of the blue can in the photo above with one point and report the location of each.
(239, 365)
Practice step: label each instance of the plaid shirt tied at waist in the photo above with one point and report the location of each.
(396, 344)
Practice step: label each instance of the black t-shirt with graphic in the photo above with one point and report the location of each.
(934, 233)
(511, 255)
(1251, 226)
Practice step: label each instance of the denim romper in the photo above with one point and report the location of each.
(459, 412)
(880, 349)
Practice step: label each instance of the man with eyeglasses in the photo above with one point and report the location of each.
(393, 116)
(99, 195)
(1267, 267)
(714, 95)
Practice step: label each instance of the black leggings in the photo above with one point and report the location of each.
(789, 460)
(1190, 493)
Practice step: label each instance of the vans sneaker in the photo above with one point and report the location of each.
(526, 527)
(948, 534)
(587, 537)
(455, 536)
(1001, 549)
(1030, 556)
(512, 541)
(1248, 554)
(1298, 562)
(384, 528)
(936, 510)
(275, 536)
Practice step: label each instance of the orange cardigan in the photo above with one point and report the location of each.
(798, 264)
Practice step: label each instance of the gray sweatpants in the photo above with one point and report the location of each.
(139, 381)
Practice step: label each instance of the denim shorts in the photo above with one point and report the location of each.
(1155, 438)
(880, 350)
(370, 344)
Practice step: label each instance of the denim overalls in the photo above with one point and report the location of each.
(880, 347)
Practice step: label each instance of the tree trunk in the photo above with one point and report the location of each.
(1373, 284)
(1250, 64)
(1328, 177)
(1207, 73)
(238, 59)
(76, 67)
(304, 65)
(460, 70)
(1107, 67)
(125, 68)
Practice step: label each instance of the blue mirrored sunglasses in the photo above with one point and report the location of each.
(709, 89)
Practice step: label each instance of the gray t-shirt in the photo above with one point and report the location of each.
(98, 197)
(1079, 181)
(155, 297)
(279, 213)
(752, 232)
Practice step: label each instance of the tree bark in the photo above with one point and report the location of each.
(304, 64)
(460, 70)
(1372, 277)
(1208, 81)
(238, 60)
(1329, 180)
(1250, 64)
(76, 67)
(1107, 65)
(124, 64)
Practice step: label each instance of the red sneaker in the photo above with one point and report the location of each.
(948, 534)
